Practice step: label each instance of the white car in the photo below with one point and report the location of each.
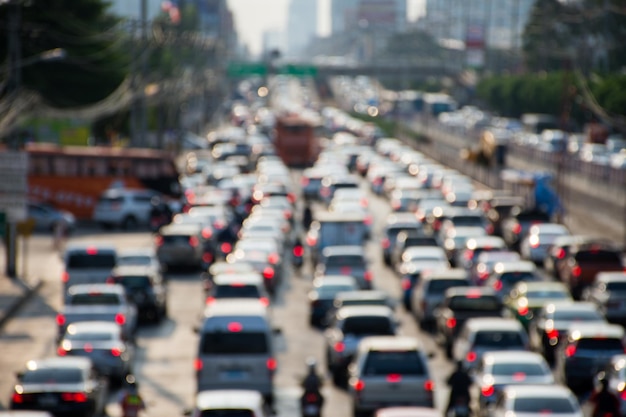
(537, 400)
(125, 208)
(540, 237)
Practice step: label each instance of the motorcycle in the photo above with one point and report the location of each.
(461, 408)
(298, 256)
(311, 404)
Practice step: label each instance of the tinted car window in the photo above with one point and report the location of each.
(111, 200)
(440, 286)
(600, 256)
(171, 239)
(224, 343)
(94, 299)
(467, 221)
(384, 363)
(90, 336)
(546, 294)
(230, 291)
(134, 282)
(577, 315)
(616, 286)
(344, 260)
(481, 303)
(84, 261)
(600, 344)
(367, 325)
(226, 413)
(528, 369)
(50, 375)
(329, 291)
(498, 339)
(515, 277)
(543, 405)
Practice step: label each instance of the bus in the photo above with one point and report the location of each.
(72, 178)
(297, 138)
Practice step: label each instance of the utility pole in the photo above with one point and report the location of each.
(143, 125)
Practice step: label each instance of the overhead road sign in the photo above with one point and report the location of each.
(246, 69)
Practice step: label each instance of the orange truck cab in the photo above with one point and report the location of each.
(297, 139)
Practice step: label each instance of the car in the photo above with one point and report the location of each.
(416, 261)
(311, 182)
(223, 267)
(346, 260)
(535, 400)
(453, 240)
(508, 273)
(549, 328)
(499, 369)
(515, 226)
(407, 239)
(486, 262)
(241, 285)
(429, 293)
(587, 349)
(557, 252)
(332, 183)
(124, 207)
(499, 208)
(264, 263)
(101, 341)
(61, 386)
(322, 295)
(347, 327)
(335, 229)
(486, 334)
(463, 217)
(140, 257)
(87, 264)
(389, 370)
(536, 244)
(396, 223)
(615, 373)
(460, 304)
(182, 245)
(108, 302)
(229, 402)
(607, 293)
(468, 255)
(48, 218)
(407, 411)
(585, 260)
(526, 298)
(361, 298)
(146, 288)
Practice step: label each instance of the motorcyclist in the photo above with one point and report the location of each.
(312, 384)
(459, 382)
(160, 213)
(307, 217)
(298, 252)
(130, 401)
(605, 403)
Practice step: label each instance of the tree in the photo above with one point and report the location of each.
(95, 63)
(545, 39)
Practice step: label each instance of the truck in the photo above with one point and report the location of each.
(297, 138)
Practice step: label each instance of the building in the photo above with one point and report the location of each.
(301, 26)
(343, 15)
(131, 9)
(386, 15)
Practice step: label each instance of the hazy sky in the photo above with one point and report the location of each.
(253, 17)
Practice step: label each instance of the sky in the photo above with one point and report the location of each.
(253, 17)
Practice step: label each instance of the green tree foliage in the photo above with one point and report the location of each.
(544, 38)
(95, 62)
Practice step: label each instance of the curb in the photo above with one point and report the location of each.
(14, 308)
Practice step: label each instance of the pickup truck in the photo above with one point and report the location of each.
(99, 302)
(87, 264)
(459, 305)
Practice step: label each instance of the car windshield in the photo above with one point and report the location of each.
(510, 278)
(552, 294)
(467, 221)
(439, 286)
(134, 283)
(498, 339)
(86, 261)
(134, 260)
(479, 303)
(94, 299)
(368, 326)
(518, 370)
(237, 291)
(401, 362)
(53, 376)
(608, 344)
(599, 256)
(228, 412)
(231, 343)
(347, 260)
(543, 405)
(616, 286)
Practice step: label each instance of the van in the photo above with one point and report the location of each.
(336, 229)
(236, 347)
(88, 264)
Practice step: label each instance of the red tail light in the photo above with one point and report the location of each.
(623, 396)
(298, 251)
(487, 391)
(517, 229)
(304, 181)
(273, 258)
(271, 364)
(291, 197)
(552, 334)
(311, 241)
(522, 310)
(60, 319)
(61, 351)
(207, 233)
(77, 397)
(367, 276)
(406, 284)
(207, 257)
(91, 250)
(570, 351)
(497, 285)
(468, 255)
(158, 240)
(429, 385)
(394, 378)
(265, 301)
(65, 277)
(560, 254)
(226, 247)
(234, 327)
(437, 225)
(209, 300)
(116, 352)
(219, 224)
(87, 347)
(576, 271)
(22, 398)
(471, 356)
(193, 241)
(197, 364)
(358, 385)
(339, 347)
(120, 319)
(385, 243)
(268, 273)
(451, 323)
(483, 275)
(368, 220)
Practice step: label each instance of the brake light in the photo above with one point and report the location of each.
(158, 240)
(367, 276)
(576, 271)
(623, 394)
(197, 364)
(497, 285)
(487, 391)
(437, 225)
(304, 181)
(406, 284)
(429, 385)
(517, 228)
(473, 294)
(345, 270)
(451, 323)
(22, 398)
(358, 385)
(298, 251)
(471, 356)
(271, 364)
(268, 273)
(77, 397)
(273, 258)
(209, 300)
(226, 247)
(311, 241)
(116, 352)
(61, 351)
(519, 376)
(368, 220)
(234, 327)
(120, 319)
(60, 319)
(339, 347)
(207, 233)
(91, 250)
(560, 254)
(385, 243)
(87, 347)
(311, 397)
(65, 277)
(207, 257)
(468, 254)
(522, 310)
(193, 241)
(394, 378)
(483, 275)
(291, 197)
(552, 333)
(570, 351)
(265, 301)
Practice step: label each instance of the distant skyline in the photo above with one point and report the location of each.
(254, 17)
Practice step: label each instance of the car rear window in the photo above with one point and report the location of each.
(110, 200)
(420, 241)
(233, 343)
(351, 260)
(86, 261)
(498, 339)
(616, 286)
(439, 286)
(515, 277)
(237, 291)
(544, 406)
(173, 239)
(90, 336)
(577, 315)
(53, 376)
(134, 282)
(599, 256)
(94, 299)
(367, 325)
(467, 221)
(600, 344)
(472, 303)
(401, 362)
(518, 369)
(227, 413)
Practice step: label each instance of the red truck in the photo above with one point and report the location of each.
(297, 138)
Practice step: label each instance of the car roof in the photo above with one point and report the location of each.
(389, 343)
(535, 391)
(180, 228)
(323, 280)
(24, 413)
(425, 250)
(402, 219)
(527, 286)
(331, 216)
(246, 278)
(97, 288)
(614, 276)
(93, 326)
(583, 330)
(514, 266)
(470, 291)
(408, 411)
(59, 362)
(230, 267)
(136, 252)
(362, 295)
(236, 307)
(493, 323)
(517, 356)
(342, 250)
(570, 305)
(485, 241)
(452, 273)
(228, 399)
(133, 270)
(368, 311)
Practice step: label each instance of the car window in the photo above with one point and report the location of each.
(439, 286)
(172, 239)
(480, 303)
(600, 344)
(515, 277)
(86, 261)
(352, 260)
(134, 260)
(546, 294)
(518, 369)
(616, 286)
(90, 336)
(243, 291)
(330, 290)
(577, 315)
(467, 221)
(600, 256)
(134, 282)
(367, 325)
(110, 200)
(232, 343)
(543, 405)
(53, 376)
(401, 362)
(94, 299)
(498, 339)
(227, 413)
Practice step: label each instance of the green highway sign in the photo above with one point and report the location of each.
(246, 69)
(298, 70)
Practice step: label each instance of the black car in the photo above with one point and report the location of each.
(516, 225)
(144, 287)
(63, 386)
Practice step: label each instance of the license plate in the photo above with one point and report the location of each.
(235, 375)
(311, 410)
(47, 400)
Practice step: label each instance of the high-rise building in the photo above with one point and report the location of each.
(301, 26)
(343, 15)
(387, 15)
